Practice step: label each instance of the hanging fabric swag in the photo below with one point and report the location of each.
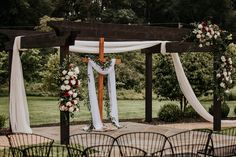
(110, 71)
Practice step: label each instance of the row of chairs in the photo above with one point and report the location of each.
(184, 144)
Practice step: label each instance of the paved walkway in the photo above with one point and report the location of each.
(166, 129)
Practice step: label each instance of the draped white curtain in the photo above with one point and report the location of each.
(189, 93)
(110, 71)
(19, 115)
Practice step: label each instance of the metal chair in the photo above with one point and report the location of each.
(223, 143)
(113, 151)
(84, 140)
(150, 142)
(29, 143)
(189, 143)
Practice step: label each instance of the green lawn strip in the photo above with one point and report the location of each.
(44, 110)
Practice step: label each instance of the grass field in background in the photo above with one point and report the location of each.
(44, 110)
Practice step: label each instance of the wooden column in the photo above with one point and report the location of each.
(64, 116)
(101, 78)
(216, 98)
(148, 86)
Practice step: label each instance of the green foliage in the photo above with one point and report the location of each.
(2, 121)
(31, 65)
(235, 110)
(51, 79)
(198, 69)
(224, 110)
(4, 67)
(189, 112)
(169, 112)
(43, 27)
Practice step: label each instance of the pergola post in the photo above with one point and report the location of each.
(216, 98)
(148, 85)
(64, 115)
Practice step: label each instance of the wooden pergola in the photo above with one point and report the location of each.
(66, 32)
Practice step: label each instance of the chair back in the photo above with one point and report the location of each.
(224, 142)
(33, 142)
(149, 142)
(84, 140)
(113, 151)
(189, 143)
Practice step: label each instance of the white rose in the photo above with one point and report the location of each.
(200, 45)
(223, 58)
(198, 36)
(75, 102)
(63, 87)
(71, 109)
(225, 73)
(200, 26)
(227, 78)
(67, 77)
(62, 108)
(195, 31)
(66, 82)
(215, 36)
(75, 95)
(206, 28)
(230, 81)
(218, 75)
(70, 92)
(208, 34)
(73, 82)
(77, 110)
(76, 70)
(212, 32)
(67, 87)
(199, 32)
(227, 92)
(207, 43)
(218, 33)
(69, 104)
(229, 73)
(230, 62)
(64, 72)
(62, 78)
(222, 84)
(70, 73)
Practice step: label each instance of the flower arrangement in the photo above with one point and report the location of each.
(69, 90)
(208, 34)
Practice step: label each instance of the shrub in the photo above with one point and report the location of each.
(189, 112)
(169, 112)
(2, 121)
(224, 110)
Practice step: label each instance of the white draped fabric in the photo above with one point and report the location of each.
(19, 114)
(112, 47)
(110, 71)
(189, 93)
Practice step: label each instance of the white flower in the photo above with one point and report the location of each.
(79, 82)
(225, 73)
(218, 75)
(230, 81)
(208, 34)
(62, 108)
(63, 87)
(207, 43)
(227, 92)
(198, 36)
(200, 45)
(217, 33)
(62, 78)
(75, 102)
(67, 77)
(223, 58)
(215, 36)
(66, 82)
(73, 82)
(206, 28)
(64, 72)
(71, 109)
(200, 26)
(230, 62)
(70, 92)
(222, 84)
(195, 31)
(75, 95)
(69, 104)
(199, 32)
(70, 73)
(229, 73)
(76, 70)
(67, 87)
(77, 110)
(227, 78)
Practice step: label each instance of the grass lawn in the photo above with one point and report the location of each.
(44, 110)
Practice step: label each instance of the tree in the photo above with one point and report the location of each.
(198, 69)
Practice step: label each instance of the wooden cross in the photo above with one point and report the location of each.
(100, 76)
